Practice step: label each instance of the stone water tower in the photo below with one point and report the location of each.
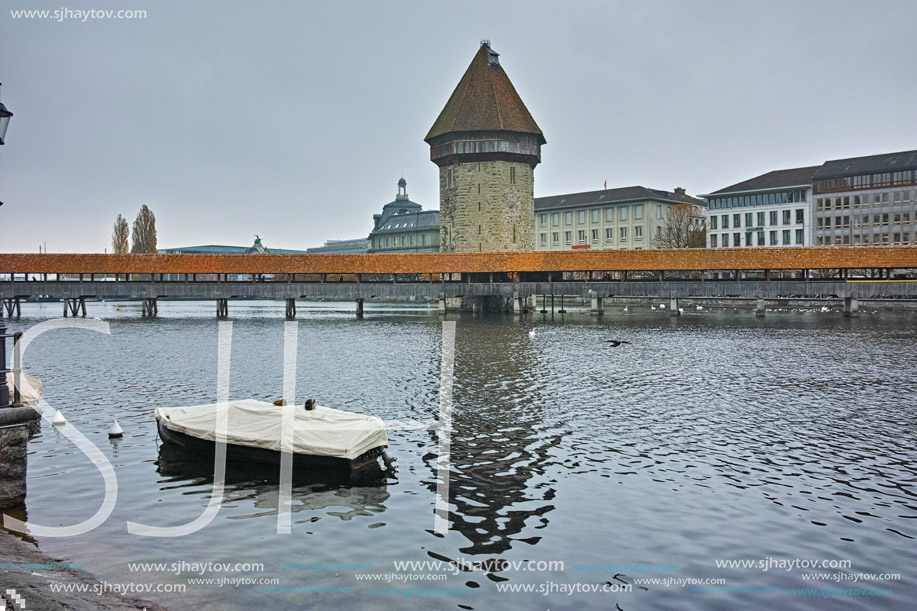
(486, 145)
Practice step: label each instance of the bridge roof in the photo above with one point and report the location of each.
(435, 263)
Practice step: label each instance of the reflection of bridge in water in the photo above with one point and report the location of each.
(462, 282)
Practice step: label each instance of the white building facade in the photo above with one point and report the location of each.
(626, 218)
(771, 210)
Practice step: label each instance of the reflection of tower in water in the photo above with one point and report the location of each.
(500, 439)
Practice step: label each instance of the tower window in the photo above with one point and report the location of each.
(512, 177)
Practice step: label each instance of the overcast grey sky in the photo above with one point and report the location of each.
(294, 120)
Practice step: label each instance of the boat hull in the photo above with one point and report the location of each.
(262, 456)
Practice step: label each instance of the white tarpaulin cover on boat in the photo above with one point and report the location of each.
(29, 389)
(322, 431)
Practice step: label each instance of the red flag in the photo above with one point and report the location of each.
(606, 185)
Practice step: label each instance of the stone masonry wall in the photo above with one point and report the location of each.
(487, 206)
(13, 452)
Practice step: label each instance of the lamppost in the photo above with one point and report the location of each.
(4, 387)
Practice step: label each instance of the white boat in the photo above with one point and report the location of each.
(321, 438)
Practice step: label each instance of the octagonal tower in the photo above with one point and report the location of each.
(486, 145)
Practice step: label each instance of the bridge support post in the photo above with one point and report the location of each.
(759, 307)
(598, 308)
(561, 310)
(673, 306)
(11, 305)
(74, 305)
(291, 309)
(149, 307)
(359, 308)
(222, 308)
(851, 306)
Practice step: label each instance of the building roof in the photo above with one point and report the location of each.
(873, 164)
(485, 100)
(613, 196)
(409, 221)
(793, 177)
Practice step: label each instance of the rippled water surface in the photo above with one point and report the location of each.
(708, 437)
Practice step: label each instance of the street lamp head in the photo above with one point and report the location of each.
(4, 122)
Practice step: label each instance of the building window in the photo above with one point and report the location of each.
(786, 237)
(638, 232)
(749, 219)
(595, 215)
(773, 215)
(736, 221)
(423, 239)
(713, 240)
(786, 217)
(623, 213)
(725, 222)
(623, 233)
(800, 215)
(609, 234)
(760, 219)
(555, 219)
(582, 217)
(773, 238)
(544, 239)
(568, 237)
(799, 237)
(595, 236)
(555, 238)
(737, 239)
(581, 236)
(760, 238)
(543, 218)
(568, 218)
(638, 212)
(609, 215)
(658, 211)
(713, 220)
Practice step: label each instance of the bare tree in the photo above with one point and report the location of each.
(144, 234)
(683, 227)
(119, 236)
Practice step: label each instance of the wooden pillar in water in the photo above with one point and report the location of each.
(359, 308)
(291, 309)
(851, 306)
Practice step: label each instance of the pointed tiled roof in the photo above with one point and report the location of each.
(484, 100)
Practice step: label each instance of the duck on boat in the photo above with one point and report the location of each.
(322, 437)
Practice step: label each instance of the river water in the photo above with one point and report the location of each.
(709, 437)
